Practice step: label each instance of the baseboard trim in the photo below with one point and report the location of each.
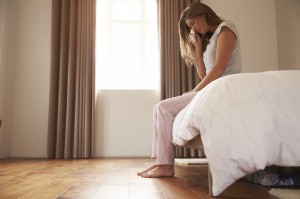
(123, 157)
(97, 157)
(4, 158)
(28, 157)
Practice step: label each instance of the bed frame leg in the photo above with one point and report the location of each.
(209, 183)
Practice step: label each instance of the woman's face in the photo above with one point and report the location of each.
(198, 24)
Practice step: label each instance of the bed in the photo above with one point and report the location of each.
(244, 123)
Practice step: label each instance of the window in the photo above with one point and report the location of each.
(127, 44)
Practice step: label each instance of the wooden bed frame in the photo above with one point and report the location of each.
(196, 143)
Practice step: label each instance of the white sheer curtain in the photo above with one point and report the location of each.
(127, 45)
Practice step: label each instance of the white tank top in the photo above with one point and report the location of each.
(235, 62)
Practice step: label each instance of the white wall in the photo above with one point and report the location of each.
(124, 122)
(288, 30)
(256, 22)
(7, 38)
(31, 78)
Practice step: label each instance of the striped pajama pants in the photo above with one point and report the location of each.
(164, 113)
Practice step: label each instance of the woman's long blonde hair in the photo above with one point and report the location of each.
(188, 51)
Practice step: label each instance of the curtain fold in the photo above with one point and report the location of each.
(176, 77)
(72, 81)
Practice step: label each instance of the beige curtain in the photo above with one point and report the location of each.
(176, 78)
(72, 83)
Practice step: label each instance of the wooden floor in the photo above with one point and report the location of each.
(109, 179)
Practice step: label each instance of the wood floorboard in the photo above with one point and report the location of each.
(110, 179)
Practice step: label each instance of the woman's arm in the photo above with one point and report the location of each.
(225, 44)
(200, 64)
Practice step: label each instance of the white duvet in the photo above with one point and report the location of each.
(247, 122)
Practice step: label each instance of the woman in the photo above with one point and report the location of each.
(210, 44)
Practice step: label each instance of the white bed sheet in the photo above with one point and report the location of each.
(247, 121)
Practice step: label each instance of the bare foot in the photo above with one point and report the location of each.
(150, 168)
(159, 171)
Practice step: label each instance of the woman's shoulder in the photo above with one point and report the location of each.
(229, 25)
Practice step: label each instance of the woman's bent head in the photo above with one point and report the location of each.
(201, 19)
